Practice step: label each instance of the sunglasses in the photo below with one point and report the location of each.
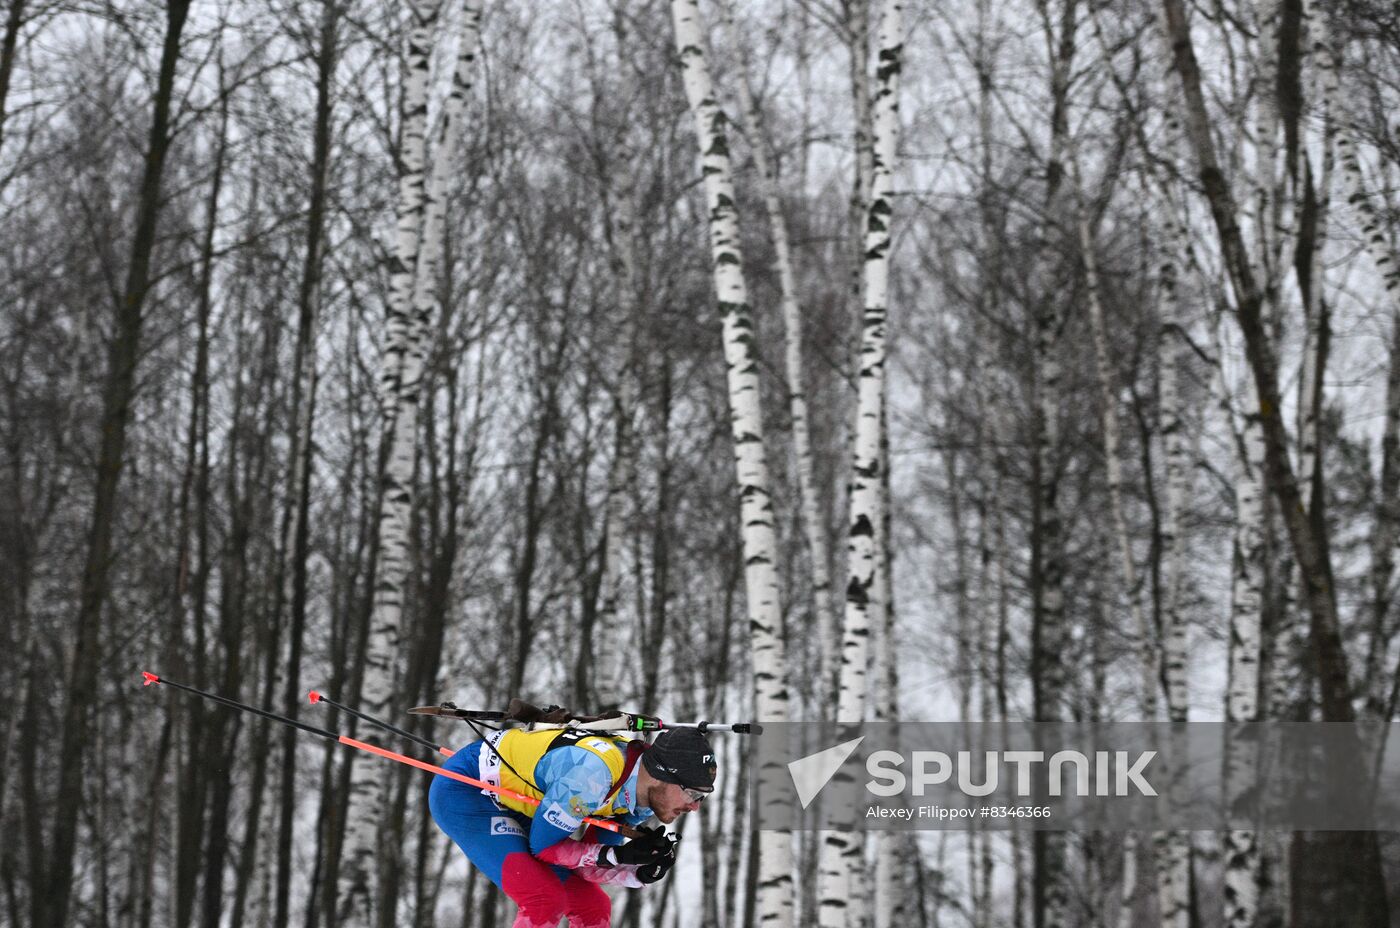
(695, 795)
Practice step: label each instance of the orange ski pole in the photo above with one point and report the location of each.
(151, 679)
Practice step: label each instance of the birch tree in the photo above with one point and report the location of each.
(354, 890)
(842, 852)
(1310, 265)
(1241, 877)
(1173, 848)
(402, 371)
(1241, 703)
(411, 202)
(771, 695)
(813, 525)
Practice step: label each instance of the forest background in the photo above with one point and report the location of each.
(374, 347)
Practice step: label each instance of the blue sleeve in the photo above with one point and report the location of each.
(575, 783)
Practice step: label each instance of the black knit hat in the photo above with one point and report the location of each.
(682, 756)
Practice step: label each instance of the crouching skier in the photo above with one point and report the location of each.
(526, 849)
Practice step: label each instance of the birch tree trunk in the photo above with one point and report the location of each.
(771, 695)
(1269, 232)
(1173, 848)
(403, 371)
(813, 525)
(841, 852)
(857, 20)
(895, 850)
(414, 132)
(1373, 227)
(857, 23)
(1241, 880)
(1310, 268)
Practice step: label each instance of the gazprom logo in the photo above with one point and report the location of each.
(501, 825)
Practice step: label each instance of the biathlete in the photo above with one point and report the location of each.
(540, 855)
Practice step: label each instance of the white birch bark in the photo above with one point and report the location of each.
(862, 139)
(1241, 876)
(1173, 850)
(858, 47)
(813, 525)
(1242, 851)
(771, 695)
(1271, 228)
(1373, 227)
(858, 897)
(397, 500)
(1241, 879)
(840, 852)
(1177, 461)
(890, 847)
(398, 322)
(1326, 77)
(368, 782)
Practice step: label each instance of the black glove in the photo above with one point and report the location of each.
(652, 872)
(647, 848)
